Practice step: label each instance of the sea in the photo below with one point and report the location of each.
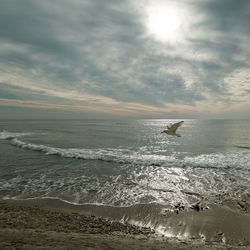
(124, 162)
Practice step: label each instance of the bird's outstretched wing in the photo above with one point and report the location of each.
(175, 126)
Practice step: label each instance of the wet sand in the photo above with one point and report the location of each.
(53, 224)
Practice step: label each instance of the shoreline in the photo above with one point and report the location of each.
(28, 223)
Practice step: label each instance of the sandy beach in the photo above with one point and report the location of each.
(53, 224)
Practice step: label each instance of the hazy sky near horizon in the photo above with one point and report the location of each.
(108, 58)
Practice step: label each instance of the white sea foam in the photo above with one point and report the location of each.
(139, 184)
(5, 135)
(110, 154)
(155, 184)
(236, 160)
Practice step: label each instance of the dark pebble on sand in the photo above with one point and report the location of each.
(196, 207)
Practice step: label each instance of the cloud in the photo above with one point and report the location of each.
(99, 54)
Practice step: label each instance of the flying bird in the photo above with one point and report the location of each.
(172, 129)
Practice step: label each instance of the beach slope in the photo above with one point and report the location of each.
(52, 224)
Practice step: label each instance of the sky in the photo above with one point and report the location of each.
(139, 59)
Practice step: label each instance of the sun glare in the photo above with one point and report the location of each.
(163, 23)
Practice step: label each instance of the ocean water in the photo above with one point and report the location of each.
(124, 162)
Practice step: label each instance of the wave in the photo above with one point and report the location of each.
(110, 155)
(236, 160)
(5, 135)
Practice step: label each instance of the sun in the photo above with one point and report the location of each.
(163, 22)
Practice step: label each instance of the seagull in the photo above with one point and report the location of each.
(172, 129)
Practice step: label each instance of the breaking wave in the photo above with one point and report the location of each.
(111, 154)
(237, 160)
(5, 135)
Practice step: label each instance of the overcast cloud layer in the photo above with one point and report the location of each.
(97, 57)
